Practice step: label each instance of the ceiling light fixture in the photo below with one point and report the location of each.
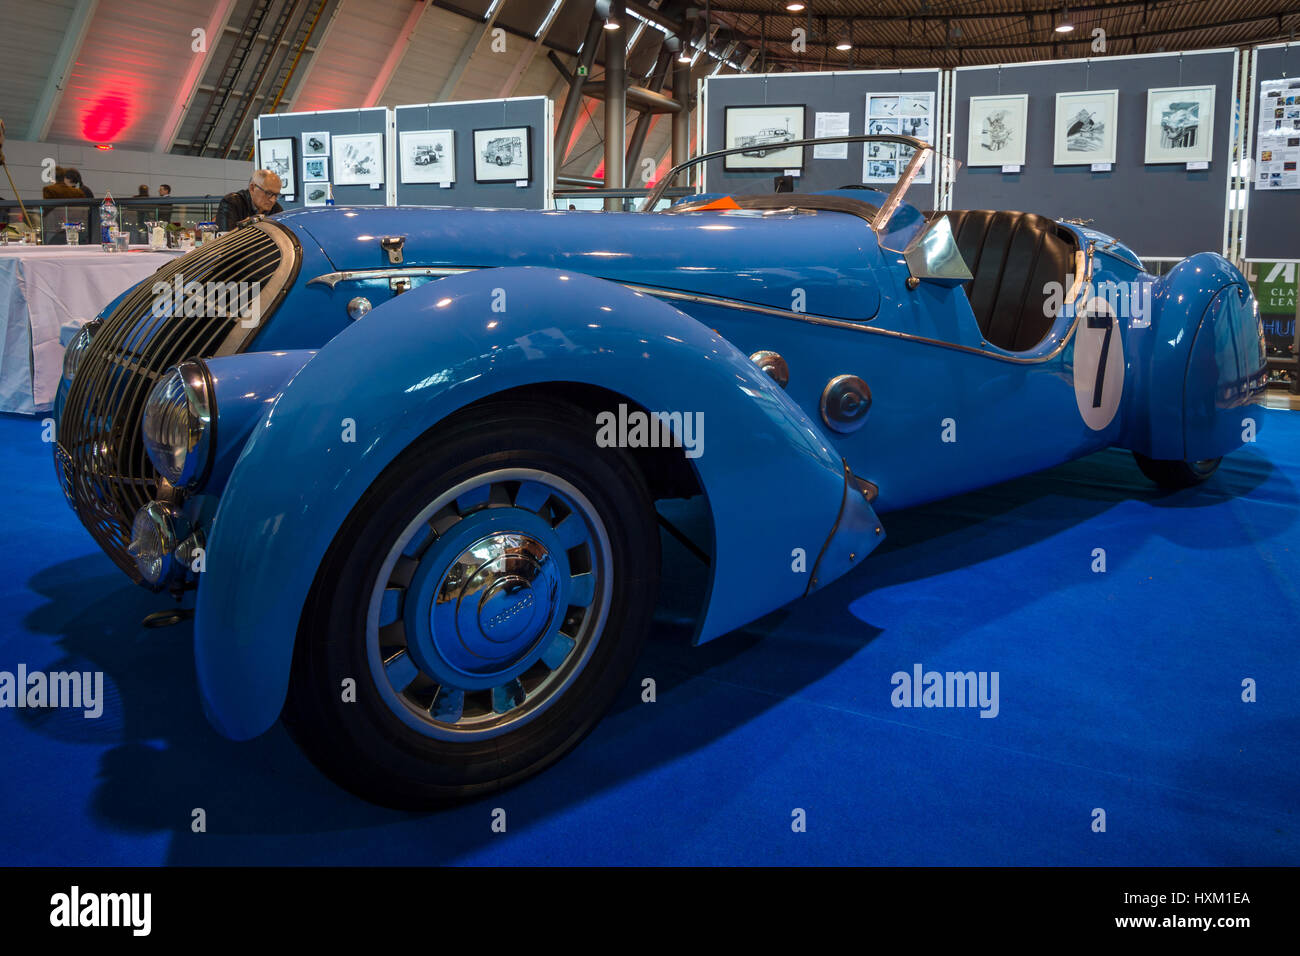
(795, 7)
(1063, 25)
(846, 39)
(605, 9)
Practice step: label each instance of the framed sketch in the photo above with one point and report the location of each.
(315, 169)
(996, 135)
(896, 114)
(1085, 127)
(277, 155)
(316, 194)
(358, 159)
(763, 129)
(502, 154)
(1180, 124)
(315, 144)
(428, 156)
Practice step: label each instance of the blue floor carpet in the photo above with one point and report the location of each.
(1119, 691)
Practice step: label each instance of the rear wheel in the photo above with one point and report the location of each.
(1177, 474)
(486, 599)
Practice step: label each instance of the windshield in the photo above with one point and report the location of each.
(886, 168)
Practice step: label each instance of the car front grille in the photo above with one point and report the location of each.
(99, 454)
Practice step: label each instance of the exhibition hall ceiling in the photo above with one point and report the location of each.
(190, 77)
(948, 33)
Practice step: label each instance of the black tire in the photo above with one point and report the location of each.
(1177, 474)
(365, 746)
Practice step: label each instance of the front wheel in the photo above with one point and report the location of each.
(1177, 474)
(478, 611)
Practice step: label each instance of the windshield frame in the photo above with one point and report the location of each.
(921, 152)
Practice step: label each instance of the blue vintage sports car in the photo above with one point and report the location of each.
(410, 457)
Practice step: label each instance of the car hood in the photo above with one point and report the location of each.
(826, 262)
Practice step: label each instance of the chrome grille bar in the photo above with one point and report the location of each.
(100, 456)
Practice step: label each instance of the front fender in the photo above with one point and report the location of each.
(773, 481)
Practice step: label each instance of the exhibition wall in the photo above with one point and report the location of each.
(359, 166)
(490, 153)
(1160, 209)
(520, 176)
(1273, 199)
(842, 99)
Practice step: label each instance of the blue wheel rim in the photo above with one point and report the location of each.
(489, 604)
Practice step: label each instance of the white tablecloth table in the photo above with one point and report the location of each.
(43, 288)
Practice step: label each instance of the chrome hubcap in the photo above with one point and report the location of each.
(489, 604)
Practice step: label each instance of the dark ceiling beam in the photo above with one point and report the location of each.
(1051, 10)
(1048, 41)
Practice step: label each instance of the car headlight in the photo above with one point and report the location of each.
(77, 347)
(178, 424)
(153, 539)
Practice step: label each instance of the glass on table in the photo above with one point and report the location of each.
(157, 232)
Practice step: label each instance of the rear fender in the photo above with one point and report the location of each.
(1226, 373)
(773, 482)
(1160, 356)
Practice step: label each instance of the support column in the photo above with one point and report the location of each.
(573, 102)
(615, 107)
(681, 119)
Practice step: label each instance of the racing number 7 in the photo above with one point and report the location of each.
(1106, 322)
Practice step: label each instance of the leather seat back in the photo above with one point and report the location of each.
(1014, 257)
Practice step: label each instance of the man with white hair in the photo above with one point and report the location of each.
(259, 199)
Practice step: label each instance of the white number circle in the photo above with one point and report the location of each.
(1098, 363)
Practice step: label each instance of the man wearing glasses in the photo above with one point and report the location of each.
(259, 199)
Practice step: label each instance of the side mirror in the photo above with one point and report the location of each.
(933, 256)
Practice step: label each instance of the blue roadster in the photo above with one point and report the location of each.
(410, 457)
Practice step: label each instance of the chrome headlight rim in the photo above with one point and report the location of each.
(196, 385)
(160, 525)
(76, 349)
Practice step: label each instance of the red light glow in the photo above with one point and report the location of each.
(105, 118)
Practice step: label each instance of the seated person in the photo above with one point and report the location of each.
(62, 187)
(258, 199)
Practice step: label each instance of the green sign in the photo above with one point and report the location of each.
(1275, 287)
(1275, 290)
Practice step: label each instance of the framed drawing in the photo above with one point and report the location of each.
(763, 129)
(996, 135)
(503, 154)
(315, 169)
(1085, 127)
(901, 114)
(315, 144)
(277, 155)
(427, 156)
(358, 159)
(1180, 124)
